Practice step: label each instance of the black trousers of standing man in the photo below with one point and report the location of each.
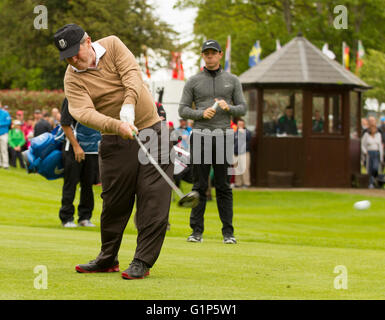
(224, 194)
(74, 173)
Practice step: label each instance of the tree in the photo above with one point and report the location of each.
(373, 73)
(29, 58)
(250, 20)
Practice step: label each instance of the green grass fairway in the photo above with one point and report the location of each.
(289, 245)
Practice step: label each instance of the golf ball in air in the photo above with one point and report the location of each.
(362, 205)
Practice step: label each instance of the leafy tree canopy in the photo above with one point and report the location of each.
(267, 20)
(28, 56)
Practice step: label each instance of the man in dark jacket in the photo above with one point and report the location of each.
(287, 123)
(41, 125)
(80, 159)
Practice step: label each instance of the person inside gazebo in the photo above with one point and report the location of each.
(318, 123)
(287, 123)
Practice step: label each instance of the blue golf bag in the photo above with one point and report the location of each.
(45, 154)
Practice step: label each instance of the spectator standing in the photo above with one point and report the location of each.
(28, 132)
(182, 135)
(242, 138)
(55, 117)
(190, 125)
(41, 125)
(5, 123)
(382, 127)
(170, 126)
(80, 159)
(20, 117)
(364, 125)
(212, 85)
(372, 149)
(16, 141)
(317, 123)
(23, 127)
(382, 124)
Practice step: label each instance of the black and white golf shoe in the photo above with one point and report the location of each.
(195, 237)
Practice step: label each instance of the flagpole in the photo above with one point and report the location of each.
(228, 54)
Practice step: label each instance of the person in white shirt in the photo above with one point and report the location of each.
(371, 146)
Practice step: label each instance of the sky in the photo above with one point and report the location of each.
(182, 21)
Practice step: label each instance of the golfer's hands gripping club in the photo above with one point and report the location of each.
(127, 128)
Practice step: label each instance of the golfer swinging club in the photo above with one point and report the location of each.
(105, 90)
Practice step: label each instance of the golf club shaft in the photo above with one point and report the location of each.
(156, 165)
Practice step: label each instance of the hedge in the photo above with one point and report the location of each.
(28, 101)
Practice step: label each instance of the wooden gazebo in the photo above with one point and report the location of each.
(322, 148)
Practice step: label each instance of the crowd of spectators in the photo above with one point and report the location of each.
(17, 131)
(372, 149)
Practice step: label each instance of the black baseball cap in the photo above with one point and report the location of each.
(211, 44)
(67, 40)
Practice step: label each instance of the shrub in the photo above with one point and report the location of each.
(28, 101)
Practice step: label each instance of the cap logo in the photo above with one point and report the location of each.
(62, 43)
(210, 42)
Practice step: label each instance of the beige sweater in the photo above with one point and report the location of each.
(96, 96)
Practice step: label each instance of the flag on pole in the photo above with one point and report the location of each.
(177, 66)
(254, 55)
(327, 52)
(228, 55)
(147, 69)
(345, 55)
(360, 55)
(146, 61)
(277, 45)
(202, 64)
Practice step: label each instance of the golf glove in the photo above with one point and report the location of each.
(127, 113)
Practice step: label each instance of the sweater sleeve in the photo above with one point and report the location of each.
(239, 107)
(82, 109)
(185, 106)
(129, 71)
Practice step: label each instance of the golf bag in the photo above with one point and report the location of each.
(45, 156)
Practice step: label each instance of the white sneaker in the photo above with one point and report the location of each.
(69, 224)
(85, 223)
(229, 239)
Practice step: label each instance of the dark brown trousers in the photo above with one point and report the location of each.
(124, 177)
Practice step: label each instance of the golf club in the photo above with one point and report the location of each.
(189, 200)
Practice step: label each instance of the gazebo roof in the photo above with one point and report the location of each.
(300, 62)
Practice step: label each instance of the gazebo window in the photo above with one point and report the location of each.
(282, 113)
(318, 115)
(335, 114)
(327, 106)
(251, 114)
